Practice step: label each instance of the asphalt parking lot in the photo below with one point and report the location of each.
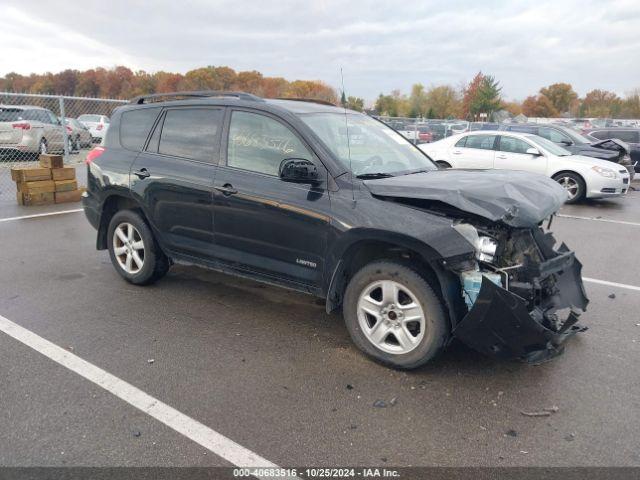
(270, 371)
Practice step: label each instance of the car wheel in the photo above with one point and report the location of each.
(573, 184)
(75, 144)
(394, 316)
(134, 252)
(443, 164)
(43, 149)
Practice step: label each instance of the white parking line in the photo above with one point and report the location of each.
(595, 219)
(187, 426)
(611, 284)
(36, 215)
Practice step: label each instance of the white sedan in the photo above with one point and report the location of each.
(97, 125)
(582, 177)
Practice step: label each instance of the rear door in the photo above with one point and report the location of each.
(473, 151)
(173, 176)
(512, 155)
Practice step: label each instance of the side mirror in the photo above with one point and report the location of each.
(568, 143)
(298, 170)
(533, 151)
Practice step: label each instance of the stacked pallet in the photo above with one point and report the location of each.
(49, 183)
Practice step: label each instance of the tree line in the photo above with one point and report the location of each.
(123, 83)
(482, 95)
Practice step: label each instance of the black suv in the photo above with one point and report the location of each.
(335, 203)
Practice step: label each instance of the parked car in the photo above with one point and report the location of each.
(78, 134)
(97, 125)
(417, 133)
(31, 130)
(574, 142)
(582, 177)
(630, 136)
(405, 249)
(582, 123)
(473, 126)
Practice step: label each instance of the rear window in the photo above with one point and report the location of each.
(89, 118)
(191, 133)
(135, 126)
(625, 136)
(10, 114)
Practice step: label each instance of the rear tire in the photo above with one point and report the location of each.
(573, 184)
(381, 304)
(133, 249)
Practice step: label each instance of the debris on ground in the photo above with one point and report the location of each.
(511, 433)
(380, 404)
(545, 412)
(349, 386)
(384, 459)
(150, 361)
(570, 438)
(136, 434)
(524, 451)
(393, 401)
(612, 295)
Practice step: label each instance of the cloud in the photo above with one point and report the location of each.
(380, 45)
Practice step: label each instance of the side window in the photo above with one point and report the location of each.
(600, 134)
(52, 118)
(460, 143)
(42, 116)
(513, 145)
(260, 143)
(554, 135)
(625, 136)
(482, 142)
(191, 133)
(135, 126)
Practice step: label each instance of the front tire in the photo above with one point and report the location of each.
(394, 316)
(134, 251)
(573, 184)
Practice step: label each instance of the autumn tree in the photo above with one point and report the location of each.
(470, 94)
(601, 103)
(561, 96)
(538, 106)
(443, 102)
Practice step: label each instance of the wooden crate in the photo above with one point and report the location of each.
(65, 173)
(70, 196)
(42, 186)
(66, 185)
(29, 199)
(51, 161)
(30, 174)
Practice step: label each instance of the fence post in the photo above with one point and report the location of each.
(64, 126)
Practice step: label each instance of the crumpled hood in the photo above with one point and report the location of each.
(519, 199)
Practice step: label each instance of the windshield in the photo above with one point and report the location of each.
(370, 147)
(576, 136)
(548, 145)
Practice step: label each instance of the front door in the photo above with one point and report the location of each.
(264, 224)
(512, 155)
(473, 151)
(174, 176)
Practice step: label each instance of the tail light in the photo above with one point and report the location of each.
(93, 154)
(22, 126)
(69, 130)
(99, 127)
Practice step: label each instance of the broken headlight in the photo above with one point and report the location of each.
(485, 246)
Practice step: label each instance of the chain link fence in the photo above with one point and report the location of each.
(31, 124)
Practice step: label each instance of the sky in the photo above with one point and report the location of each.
(379, 45)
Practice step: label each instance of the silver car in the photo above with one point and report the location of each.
(27, 129)
(78, 133)
(97, 125)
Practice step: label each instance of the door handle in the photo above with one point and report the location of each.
(142, 173)
(456, 152)
(501, 156)
(227, 189)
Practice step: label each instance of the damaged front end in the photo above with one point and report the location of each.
(523, 296)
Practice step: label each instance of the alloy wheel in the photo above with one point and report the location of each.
(128, 248)
(570, 185)
(391, 317)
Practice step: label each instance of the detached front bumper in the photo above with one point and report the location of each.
(500, 324)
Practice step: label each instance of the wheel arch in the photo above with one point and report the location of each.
(110, 206)
(364, 249)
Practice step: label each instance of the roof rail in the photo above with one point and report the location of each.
(310, 100)
(197, 94)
